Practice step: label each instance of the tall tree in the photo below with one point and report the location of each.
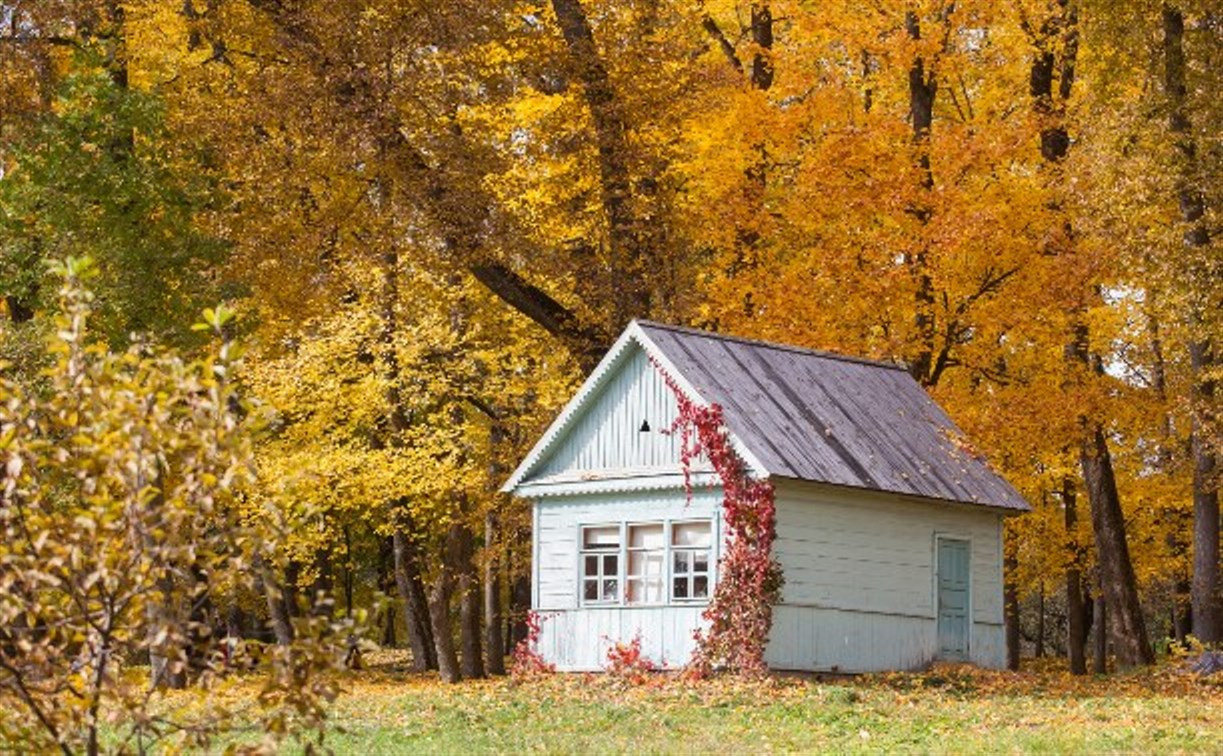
(1057, 40)
(102, 175)
(1055, 52)
(1207, 585)
(630, 238)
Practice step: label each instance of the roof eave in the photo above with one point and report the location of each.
(1020, 506)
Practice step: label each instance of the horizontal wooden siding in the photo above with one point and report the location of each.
(859, 580)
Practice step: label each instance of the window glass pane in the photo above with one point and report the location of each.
(700, 587)
(611, 565)
(680, 562)
(645, 563)
(645, 536)
(700, 561)
(609, 590)
(591, 565)
(690, 533)
(590, 590)
(607, 537)
(679, 588)
(645, 591)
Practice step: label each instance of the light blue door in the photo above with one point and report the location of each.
(953, 619)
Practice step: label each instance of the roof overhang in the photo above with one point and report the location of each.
(633, 336)
(975, 505)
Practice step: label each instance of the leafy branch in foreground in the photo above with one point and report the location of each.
(125, 535)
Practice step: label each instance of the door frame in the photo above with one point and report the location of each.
(963, 538)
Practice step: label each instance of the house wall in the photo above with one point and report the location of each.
(575, 638)
(608, 436)
(859, 591)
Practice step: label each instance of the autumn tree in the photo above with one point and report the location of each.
(100, 175)
(1200, 271)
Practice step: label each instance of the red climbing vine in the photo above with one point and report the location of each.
(527, 661)
(749, 579)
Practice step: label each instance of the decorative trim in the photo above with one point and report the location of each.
(570, 486)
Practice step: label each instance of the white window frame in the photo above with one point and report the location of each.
(622, 563)
(599, 554)
(708, 573)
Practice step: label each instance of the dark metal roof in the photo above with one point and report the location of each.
(828, 418)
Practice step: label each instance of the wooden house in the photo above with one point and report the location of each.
(889, 526)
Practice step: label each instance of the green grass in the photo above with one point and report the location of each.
(974, 712)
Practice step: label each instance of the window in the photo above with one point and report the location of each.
(652, 556)
(690, 542)
(647, 560)
(601, 564)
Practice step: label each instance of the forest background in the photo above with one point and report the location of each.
(432, 218)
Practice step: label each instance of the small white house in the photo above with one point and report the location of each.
(889, 529)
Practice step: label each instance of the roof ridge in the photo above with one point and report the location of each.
(773, 345)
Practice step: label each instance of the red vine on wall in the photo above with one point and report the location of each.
(749, 579)
(527, 661)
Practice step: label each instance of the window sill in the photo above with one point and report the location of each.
(673, 605)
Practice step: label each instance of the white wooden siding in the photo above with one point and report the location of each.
(577, 638)
(859, 579)
(608, 436)
(859, 590)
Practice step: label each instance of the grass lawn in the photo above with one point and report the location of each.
(387, 710)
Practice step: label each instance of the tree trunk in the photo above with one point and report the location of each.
(1010, 599)
(439, 610)
(278, 610)
(748, 225)
(1040, 622)
(416, 610)
(289, 588)
(388, 586)
(235, 622)
(1099, 663)
(520, 602)
(1207, 586)
(923, 86)
(631, 256)
(1180, 532)
(349, 580)
(1117, 581)
(1049, 76)
(762, 37)
(322, 604)
(1076, 608)
(494, 641)
(1182, 612)
(389, 639)
(470, 600)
